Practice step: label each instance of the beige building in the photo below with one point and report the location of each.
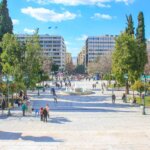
(81, 57)
(147, 67)
(148, 47)
(68, 58)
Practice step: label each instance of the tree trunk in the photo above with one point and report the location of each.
(133, 93)
(127, 87)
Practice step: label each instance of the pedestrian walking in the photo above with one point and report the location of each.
(53, 91)
(41, 113)
(113, 98)
(45, 113)
(55, 98)
(43, 89)
(69, 83)
(93, 86)
(124, 98)
(134, 100)
(54, 94)
(66, 85)
(21, 94)
(24, 108)
(36, 110)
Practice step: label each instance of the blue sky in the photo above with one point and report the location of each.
(76, 19)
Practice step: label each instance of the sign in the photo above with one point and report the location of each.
(126, 76)
(145, 77)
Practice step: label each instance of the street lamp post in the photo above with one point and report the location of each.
(113, 86)
(8, 79)
(127, 86)
(143, 97)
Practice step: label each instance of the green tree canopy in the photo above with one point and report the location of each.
(9, 56)
(80, 69)
(32, 61)
(54, 68)
(130, 25)
(125, 58)
(6, 25)
(141, 42)
(22, 60)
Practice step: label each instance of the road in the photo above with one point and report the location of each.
(78, 123)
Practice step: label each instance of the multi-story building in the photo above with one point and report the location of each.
(148, 50)
(68, 58)
(98, 45)
(81, 57)
(52, 46)
(148, 47)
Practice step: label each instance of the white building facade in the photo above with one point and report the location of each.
(52, 46)
(98, 45)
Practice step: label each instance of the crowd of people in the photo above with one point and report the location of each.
(43, 112)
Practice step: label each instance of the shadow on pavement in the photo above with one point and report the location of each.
(40, 139)
(9, 135)
(3, 116)
(82, 105)
(17, 136)
(58, 120)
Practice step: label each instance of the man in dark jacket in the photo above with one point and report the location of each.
(45, 114)
(113, 98)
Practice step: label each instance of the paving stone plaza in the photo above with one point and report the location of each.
(89, 122)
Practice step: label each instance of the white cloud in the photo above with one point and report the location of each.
(47, 15)
(126, 1)
(42, 2)
(83, 37)
(67, 43)
(102, 16)
(80, 2)
(29, 31)
(103, 5)
(15, 21)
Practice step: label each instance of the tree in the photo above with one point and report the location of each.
(11, 60)
(138, 86)
(6, 25)
(47, 64)
(103, 64)
(92, 67)
(22, 60)
(124, 59)
(141, 42)
(32, 61)
(130, 25)
(54, 67)
(9, 56)
(80, 69)
(70, 67)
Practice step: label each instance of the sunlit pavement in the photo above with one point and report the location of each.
(77, 123)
